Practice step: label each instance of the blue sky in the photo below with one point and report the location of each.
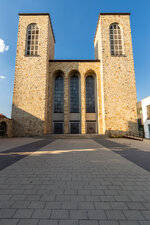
(74, 23)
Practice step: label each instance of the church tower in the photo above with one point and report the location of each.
(113, 47)
(35, 46)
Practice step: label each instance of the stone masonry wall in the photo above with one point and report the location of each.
(84, 68)
(28, 110)
(118, 77)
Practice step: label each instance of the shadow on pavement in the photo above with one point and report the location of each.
(7, 160)
(139, 157)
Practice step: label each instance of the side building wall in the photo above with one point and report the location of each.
(118, 77)
(29, 105)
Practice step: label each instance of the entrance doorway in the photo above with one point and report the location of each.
(91, 127)
(3, 129)
(74, 127)
(58, 127)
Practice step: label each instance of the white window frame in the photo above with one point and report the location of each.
(118, 48)
(32, 48)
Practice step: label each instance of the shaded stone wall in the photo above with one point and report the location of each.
(118, 77)
(28, 110)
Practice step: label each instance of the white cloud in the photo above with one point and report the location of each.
(2, 77)
(3, 47)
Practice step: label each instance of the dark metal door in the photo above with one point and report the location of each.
(91, 128)
(58, 128)
(74, 128)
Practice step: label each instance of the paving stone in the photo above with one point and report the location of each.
(115, 215)
(135, 205)
(144, 222)
(129, 222)
(76, 198)
(146, 214)
(18, 197)
(23, 213)
(62, 198)
(69, 205)
(107, 198)
(96, 214)
(6, 213)
(111, 192)
(5, 197)
(85, 205)
(16, 191)
(70, 192)
(102, 205)
(41, 213)
(122, 198)
(137, 198)
(110, 222)
(97, 192)
(68, 222)
(83, 192)
(48, 222)
(87, 222)
(146, 205)
(91, 198)
(9, 221)
(37, 204)
(33, 197)
(47, 198)
(118, 205)
(20, 204)
(6, 204)
(133, 215)
(78, 214)
(60, 214)
(53, 205)
(28, 222)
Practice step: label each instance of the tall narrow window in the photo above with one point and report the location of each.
(32, 39)
(74, 94)
(90, 95)
(59, 94)
(116, 46)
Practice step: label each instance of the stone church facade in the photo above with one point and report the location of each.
(74, 96)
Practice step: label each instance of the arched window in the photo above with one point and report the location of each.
(59, 94)
(74, 93)
(90, 95)
(32, 39)
(116, 46)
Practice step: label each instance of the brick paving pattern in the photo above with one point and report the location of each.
(74, 182)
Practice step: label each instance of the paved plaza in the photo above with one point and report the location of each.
(74, 181)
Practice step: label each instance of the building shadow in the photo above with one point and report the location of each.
(13, 155)
(139, 157)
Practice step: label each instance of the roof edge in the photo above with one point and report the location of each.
(74, 60)
(103, 14)
(107, 14)
(32, 14)
(40, 14)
